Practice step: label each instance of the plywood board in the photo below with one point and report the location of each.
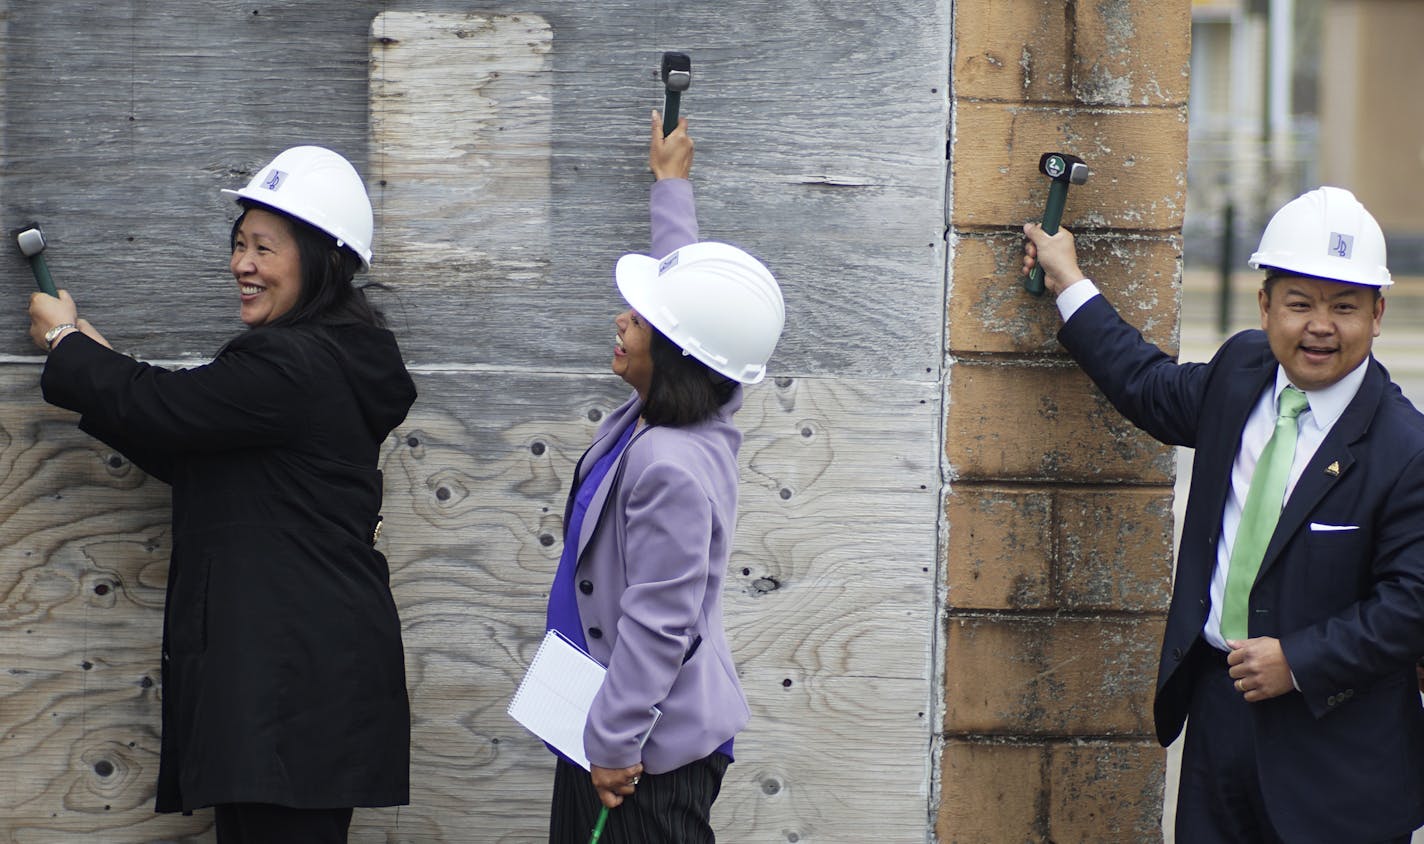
(827, 601)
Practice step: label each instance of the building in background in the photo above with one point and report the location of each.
(1290, 94)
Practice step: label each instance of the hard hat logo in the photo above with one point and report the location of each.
(274, 179)
(1341, 244)
(668, 263)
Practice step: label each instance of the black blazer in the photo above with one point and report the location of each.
(1343, 758)
(283, 671)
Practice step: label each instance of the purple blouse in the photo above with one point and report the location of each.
(563, 614)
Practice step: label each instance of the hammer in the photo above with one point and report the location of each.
(1064, 170)
(32, 245)
(677, 77)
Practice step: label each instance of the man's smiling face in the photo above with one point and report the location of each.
(1319, 330)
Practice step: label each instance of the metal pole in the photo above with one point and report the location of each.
(1224, 266)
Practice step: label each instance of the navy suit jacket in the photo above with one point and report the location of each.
(1343, 758)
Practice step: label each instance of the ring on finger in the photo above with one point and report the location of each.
(1239, 687)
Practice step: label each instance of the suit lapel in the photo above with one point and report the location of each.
(607, 438)
(600, 500)
(1332, 461)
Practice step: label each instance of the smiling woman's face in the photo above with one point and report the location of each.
(267, 265)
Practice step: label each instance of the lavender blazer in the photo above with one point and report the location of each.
(652, 556)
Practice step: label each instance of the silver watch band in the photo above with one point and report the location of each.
(53, 334)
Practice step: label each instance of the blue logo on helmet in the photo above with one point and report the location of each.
(274, 179)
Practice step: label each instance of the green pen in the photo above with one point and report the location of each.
(598, 826)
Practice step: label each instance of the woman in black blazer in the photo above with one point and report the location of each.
(284, 698)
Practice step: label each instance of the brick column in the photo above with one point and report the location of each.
(1059, 540)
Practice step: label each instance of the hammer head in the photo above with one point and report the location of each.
(677, 71)
(31, 241)
(1062, 167)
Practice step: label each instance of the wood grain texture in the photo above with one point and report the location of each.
(505, 151)
(828, 626)
(830, 589)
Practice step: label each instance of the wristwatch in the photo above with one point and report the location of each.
(53, 334)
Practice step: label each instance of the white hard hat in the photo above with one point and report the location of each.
(320, 187)
(1328, 234)
(714, 301)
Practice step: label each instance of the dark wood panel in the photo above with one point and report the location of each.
(821, 149)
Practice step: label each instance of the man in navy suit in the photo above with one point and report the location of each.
(1303, 716)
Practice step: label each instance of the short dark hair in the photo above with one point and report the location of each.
(684, 391)
(1274, 274)
(328, 295)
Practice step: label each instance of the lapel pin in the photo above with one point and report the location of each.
(1333, 469)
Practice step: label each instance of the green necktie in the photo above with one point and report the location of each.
(1260, 513)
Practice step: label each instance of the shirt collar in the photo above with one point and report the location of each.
(1328, 404)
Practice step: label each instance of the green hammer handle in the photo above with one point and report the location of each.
(670, 104)
(1052, 215)
(43, 280)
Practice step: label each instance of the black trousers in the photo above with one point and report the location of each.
(670, 808)
(1219, 797)
(264, 823)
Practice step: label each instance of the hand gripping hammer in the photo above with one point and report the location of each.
(32, 245)
(1064, 170)
(677, 77)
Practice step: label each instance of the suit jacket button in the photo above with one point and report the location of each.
(586, 587)
(1177, 654)
(597, 633)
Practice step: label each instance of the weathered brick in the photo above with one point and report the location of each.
(1137, 158)
(1039, 51)
(1013, 420)
(1110, 64)
(1014, 50)
(1078, 791)
(999, 550)
(1027, 548)
(1114, 549)
(990, 312)
(1105, 791)
(992, 792)
(1050, 676)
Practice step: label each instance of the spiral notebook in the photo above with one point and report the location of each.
(553, 700)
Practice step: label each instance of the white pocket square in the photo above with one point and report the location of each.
(1324, 528)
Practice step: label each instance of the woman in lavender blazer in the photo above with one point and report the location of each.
(649, 526)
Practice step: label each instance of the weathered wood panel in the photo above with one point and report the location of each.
(505, 149)
(821, 131)
(828, 625)
(816, 616)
